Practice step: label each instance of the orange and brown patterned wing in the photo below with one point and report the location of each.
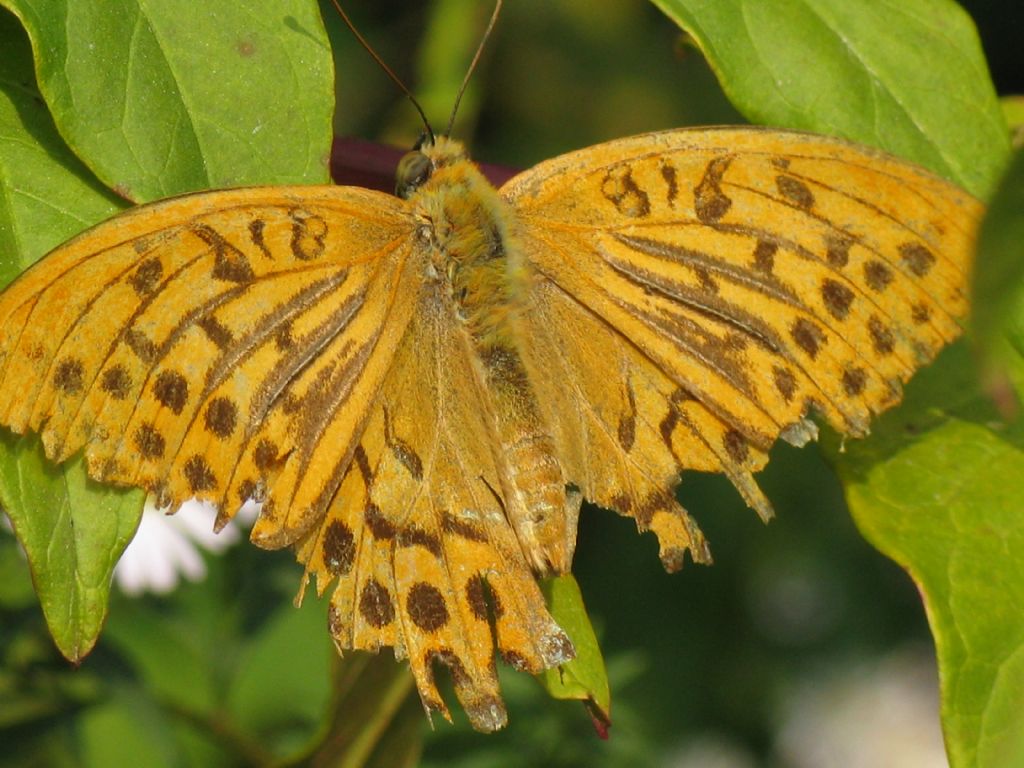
(697, 292)
(417, 535)
(282, 345)
(222, 346)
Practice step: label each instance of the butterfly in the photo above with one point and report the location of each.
(422, 389)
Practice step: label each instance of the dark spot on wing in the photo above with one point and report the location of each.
(149, 442)
(736, 446)
(877, 275)
(837, 297)
(339, 548)
(69, 375)
(785, 382)
(146, 276)
(795, 191)
(764, 256)
(807, 336)
(918, 258)
(426, 607)
(221, 417)
(881, 336)
(709, 202)
(199, 475)
(854, 380)
(171, 390)
(375, 604)
(116, 382)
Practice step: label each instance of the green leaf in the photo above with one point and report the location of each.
(46, 194)
(282, 701)
(127, 729)
(216, 663)
(169, 97)
(1013, 111)
(584, 678)
(15, 585)
(997, 290)
(908, 76)
(73, 532)
(157, 100)
(946, 506)
(168, 656)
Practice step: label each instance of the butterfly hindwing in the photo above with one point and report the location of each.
(417, 535)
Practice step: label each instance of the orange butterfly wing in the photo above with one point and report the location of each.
(281, 344)
(202, 346)
(697, 292)
(688, 296)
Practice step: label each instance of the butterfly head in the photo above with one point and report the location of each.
(416, 167)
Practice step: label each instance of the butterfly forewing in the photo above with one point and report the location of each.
(159, 340)
(724, 283)
(308, 438)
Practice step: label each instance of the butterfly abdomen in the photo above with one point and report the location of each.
(534, 486)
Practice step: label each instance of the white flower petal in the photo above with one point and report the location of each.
(169, 547)
(196, 519)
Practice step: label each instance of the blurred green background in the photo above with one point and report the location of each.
(227, 672)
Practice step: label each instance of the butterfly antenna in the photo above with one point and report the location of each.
(472, 65)
(386, 68)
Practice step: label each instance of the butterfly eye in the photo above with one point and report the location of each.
(413, 169)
